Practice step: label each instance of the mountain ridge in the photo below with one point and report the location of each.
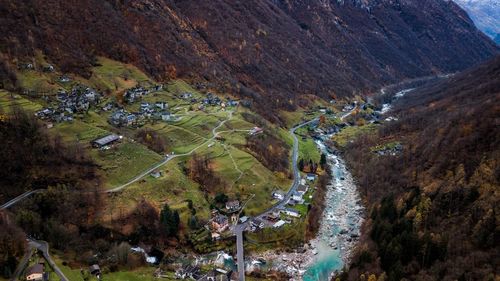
(279, 49)
(486, 15)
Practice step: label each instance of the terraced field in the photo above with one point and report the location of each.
(244, 177)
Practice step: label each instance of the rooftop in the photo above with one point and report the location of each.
(106, 140)
(35, 269)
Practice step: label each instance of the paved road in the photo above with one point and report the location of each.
(240, 228)
(19, 198)
(347, 114)
(43, 247)
(22, 264)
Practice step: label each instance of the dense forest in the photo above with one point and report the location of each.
(434, 208)
(31, 159)
(68, 213)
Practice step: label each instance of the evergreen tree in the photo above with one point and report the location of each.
(301, 164)
(193, 222)
(169, 221)
(322, 161)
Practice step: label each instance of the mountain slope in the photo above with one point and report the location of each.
(434, 208)
(256, 49)
(486, 15)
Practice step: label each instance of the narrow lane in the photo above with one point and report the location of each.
(44, 248)
(19, 198)
(170, 157)
(240, 228)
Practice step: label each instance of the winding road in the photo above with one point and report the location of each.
(240, 228)
(43, 247)
(19, 198)
(170, 157)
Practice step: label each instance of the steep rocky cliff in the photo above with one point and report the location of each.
(485, 14)
(271, 51)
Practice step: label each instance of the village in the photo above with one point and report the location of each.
(108, 124)
(132, 111)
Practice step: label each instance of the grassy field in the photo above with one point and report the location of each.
(244, 176)
(8, 101)
(308, 150)
(350, 133)
(113, 76)
(125, 161)
(173, 187)
(139, 274)
(79, 131)
(286, 237)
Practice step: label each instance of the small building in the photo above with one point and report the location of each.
(233, 205)
(257, 223)
(166, 116)
(220, 223)
(243, 219)
(186, 95)
(145, 106)
(256, 130)
(95, 270)
(35, 273)
(156, 174)
(64, 79)
(291, 212)
(131, 119)
(274, 216)
(302, 189)
(48, 68)
(118, 118)
(311, 177)
(161, 105)
(279, 195)
(297, 196)
(279, 224)
(107, 140)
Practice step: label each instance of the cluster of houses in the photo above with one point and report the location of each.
(212, 100)
(136, 93)
(31, 66)
(78, 100)
(296, 198)
(220, 222)
(157, 111)
(147, 111)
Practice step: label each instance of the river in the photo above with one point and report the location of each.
(340, 224)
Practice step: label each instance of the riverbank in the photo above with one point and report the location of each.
(339, 231)
(340, 224)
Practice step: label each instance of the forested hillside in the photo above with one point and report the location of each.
(271, 52)
(434, 207)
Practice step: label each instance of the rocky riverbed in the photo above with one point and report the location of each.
(336, 238)
(340, 224)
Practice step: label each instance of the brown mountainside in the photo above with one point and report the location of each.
(255, 49)
(434, 207)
